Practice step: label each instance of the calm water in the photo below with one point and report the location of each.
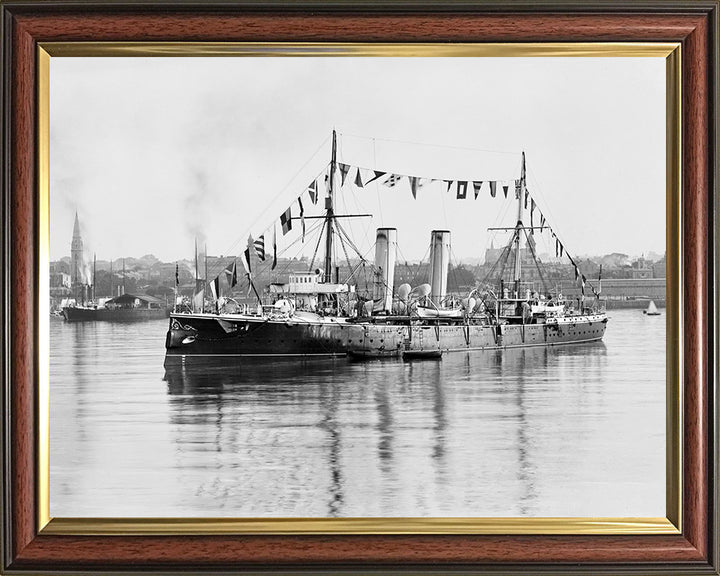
(569, 431)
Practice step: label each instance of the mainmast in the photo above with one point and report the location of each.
(519, 228)
(330, 213)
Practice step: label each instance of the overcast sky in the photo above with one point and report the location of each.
(154, 151)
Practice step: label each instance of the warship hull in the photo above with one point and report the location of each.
(231, 335)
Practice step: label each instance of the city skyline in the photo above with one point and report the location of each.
(90, 256)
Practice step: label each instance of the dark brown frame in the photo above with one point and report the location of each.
(26, 23)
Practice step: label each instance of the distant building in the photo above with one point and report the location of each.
(659, 268)
(641, 269)
(493, 254)
(77, 265)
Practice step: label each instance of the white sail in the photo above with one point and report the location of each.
(652, 309)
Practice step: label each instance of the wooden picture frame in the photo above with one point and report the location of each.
(29, 547)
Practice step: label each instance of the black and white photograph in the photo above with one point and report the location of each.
(357, 287)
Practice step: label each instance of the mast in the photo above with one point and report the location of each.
(94, 275)
(111, 279)
(205, 283)
(518, 229)
(123, 276)
(330, 212)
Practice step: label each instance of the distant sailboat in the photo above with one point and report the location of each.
(651, 309)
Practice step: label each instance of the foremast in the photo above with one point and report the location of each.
(330, 214)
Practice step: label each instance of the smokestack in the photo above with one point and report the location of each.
(439, 263)
(385, 256)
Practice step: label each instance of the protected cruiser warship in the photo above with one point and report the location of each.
(314, 316)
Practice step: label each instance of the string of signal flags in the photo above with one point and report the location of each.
(361, 178)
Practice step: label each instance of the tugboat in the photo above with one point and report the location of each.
(335, 320)
(123, 308)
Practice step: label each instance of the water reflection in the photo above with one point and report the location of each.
(575, 430)
(410, 407)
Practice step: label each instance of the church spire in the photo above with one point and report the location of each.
(76, 227)
(77, 266)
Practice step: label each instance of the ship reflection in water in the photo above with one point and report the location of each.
(564, 431)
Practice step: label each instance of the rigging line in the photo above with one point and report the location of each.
(215, 267)
(567, 253)
(445, 146)
(433, 178)
(359, 265)
(444, 209)
(342, 244)
(282, 191)
(249, 230)
(535, 261)
(536, 186)
(359, 208)
(417, 272)
(263, 266)
(501, 261)
(317, 246)
(377, 189)
(349, 240)
(350, 222)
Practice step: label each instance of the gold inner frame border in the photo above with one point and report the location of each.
(671, 524)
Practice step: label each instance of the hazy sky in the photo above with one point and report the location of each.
(154, 151)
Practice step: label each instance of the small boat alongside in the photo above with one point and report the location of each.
(422, 354)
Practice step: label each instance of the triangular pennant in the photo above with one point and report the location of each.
(532, 210)
(561, 248)
(493, 188)
(344, 168)
(414, 181)
(477, 185)
(449, 184)
(302, 218)
(462, 190)
(231, 273)
(246, 261)
(505, 189)
(358, 179)
(215, 287)
(274, 241)
(542, 222)
(376, 176)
